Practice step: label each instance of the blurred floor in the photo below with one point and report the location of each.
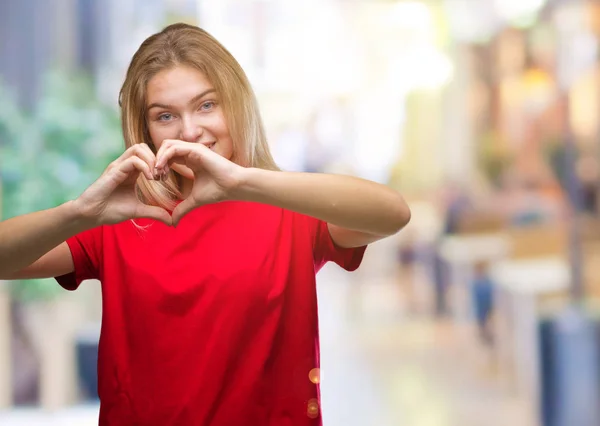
(386, 362)
(383, 364)
(84, 415)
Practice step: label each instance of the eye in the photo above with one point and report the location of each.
(207, 106)
(165, 117)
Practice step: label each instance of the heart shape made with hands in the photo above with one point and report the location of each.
(214, 177)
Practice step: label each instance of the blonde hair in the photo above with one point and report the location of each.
(183, 44)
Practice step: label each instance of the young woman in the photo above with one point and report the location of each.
(206, 252)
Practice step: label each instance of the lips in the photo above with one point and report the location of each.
(210, 145)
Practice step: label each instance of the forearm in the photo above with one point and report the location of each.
(345, 201)
(24, 239)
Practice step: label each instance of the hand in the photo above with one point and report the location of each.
(215, 177)
(112, 198)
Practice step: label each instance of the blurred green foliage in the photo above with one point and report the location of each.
(50, 155)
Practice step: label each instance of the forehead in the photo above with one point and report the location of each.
(177, 83)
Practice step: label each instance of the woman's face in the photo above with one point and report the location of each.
(183, 105)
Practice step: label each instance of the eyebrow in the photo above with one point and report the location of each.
(192, 101)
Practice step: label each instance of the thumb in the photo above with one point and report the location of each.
(182, 209)
(154, 212)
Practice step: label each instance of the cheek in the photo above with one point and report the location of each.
(220, 126)
(226, 141)
(158, 135)
(224, 134)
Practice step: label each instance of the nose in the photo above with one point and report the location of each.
(191, 130)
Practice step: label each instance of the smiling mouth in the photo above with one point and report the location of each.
(211, 145)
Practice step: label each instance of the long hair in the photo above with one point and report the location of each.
(183, 44)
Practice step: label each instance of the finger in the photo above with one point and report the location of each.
(117, 174)
(154, 212)
(165, 175)
(144, 152)
(140, 150)
(166, 144)
(148, 154)
(134, 164)
(165, 147)
(175, 153)
(182, 209)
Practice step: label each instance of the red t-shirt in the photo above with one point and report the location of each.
(210, 323)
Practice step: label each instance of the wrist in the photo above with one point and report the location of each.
(79, 215)
(247, 186)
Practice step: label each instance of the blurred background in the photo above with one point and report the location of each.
(484, 114)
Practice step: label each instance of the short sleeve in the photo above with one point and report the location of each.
(86, 250)
(325, 250)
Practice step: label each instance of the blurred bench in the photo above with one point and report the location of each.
(486, 243)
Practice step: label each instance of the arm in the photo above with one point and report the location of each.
(357, 211)
(30, 245)
(25, 239)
